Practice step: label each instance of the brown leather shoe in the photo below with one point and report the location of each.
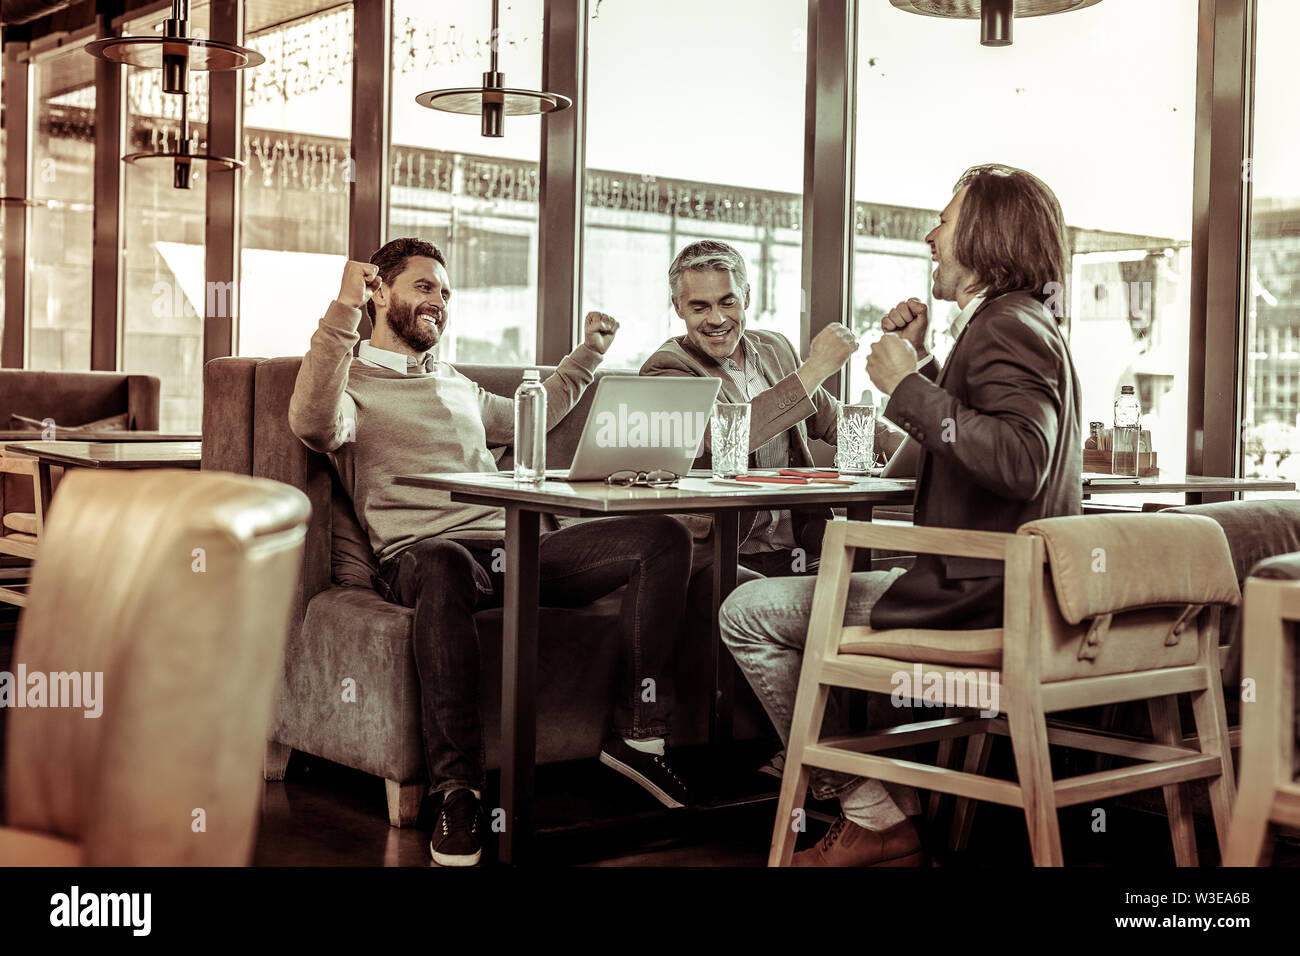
(847, 844)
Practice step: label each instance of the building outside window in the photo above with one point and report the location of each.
(294, 191)
(1270, 430)
(693, 134)
(60, 228)
(1100, 104)
(473, 197)
(163, 290)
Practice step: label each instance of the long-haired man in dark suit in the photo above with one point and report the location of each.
(996, 439)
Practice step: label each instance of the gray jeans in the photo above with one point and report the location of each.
(764, 625)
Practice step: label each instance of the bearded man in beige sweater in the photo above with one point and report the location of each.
(395, 409)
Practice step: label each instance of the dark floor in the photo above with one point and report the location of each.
(324, 814)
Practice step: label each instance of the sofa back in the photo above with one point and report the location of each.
(75, 398)
(246, 430)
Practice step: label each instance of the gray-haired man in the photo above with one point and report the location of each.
(710, 293)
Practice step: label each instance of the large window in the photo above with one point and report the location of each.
(1100, 104)
(60, 228)
(1271, 410)
(297, 146)
(695, 130)
(473, 197)
(163, 292)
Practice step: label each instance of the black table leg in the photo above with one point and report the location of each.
(519, 683)
(726, 535)
(46, 485)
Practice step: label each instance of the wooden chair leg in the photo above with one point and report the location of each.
(404, 801)
(805, 728)
(1028, 726)
(946, 757)
(1166, 728)
(1250, 838)
(277, 760)
(978, 748)
(1212, 732)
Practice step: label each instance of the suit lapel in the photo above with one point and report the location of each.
(924, 466)
(943, 372)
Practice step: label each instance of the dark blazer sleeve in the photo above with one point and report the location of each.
(1013, 379)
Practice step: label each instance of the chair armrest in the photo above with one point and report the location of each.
(955, 542)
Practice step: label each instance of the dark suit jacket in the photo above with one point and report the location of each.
(1000, 442)
(786, 406)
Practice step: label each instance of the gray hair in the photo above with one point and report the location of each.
(707, 254)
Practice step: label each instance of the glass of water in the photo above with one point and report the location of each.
(730, 430)
(855, 451)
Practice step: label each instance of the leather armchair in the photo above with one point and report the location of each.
(165, 594)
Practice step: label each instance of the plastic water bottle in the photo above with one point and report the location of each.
(530, 429)
(1127, 433)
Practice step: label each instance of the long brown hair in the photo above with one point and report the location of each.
(1011, 232)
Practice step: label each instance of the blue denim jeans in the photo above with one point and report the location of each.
(765, 625)
(447, 581)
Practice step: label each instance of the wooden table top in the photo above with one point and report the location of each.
(700, 492)
(143, 454)
(1171, 482)
(114, 435)
(697, 492)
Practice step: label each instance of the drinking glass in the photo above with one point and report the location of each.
(855, 449)
(730, 429)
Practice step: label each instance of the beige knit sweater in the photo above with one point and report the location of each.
(376, 423)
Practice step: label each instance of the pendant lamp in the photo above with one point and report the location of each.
(493, 101)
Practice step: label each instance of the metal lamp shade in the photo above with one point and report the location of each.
(493, 102)
(995, 16)
(183, 163)
(175, 56)
(970, 9)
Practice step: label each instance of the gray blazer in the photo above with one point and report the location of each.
(786, 406)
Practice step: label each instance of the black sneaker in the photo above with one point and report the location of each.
(455, 833)
(651, 772)
(774, 767)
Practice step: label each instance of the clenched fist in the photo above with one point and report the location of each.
(909, 319)
(360, 281)
(829, 350)
(832, 346)
(892, 359)
(599, 329)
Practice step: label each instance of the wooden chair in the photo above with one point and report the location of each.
(1270, 794)
(20, 531)
(1086, 642)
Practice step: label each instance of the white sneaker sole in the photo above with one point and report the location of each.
(447, 859)
(641, 780)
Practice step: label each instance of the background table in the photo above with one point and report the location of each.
(1193, 486)
(115, 455)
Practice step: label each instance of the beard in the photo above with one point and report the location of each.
(945, 284)
(410, 328)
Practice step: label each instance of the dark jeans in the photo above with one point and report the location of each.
(446, 581)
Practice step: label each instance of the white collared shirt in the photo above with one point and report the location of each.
(959, 323)
(406, 364)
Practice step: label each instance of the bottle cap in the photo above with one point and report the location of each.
(532, 375)
(1126, 390)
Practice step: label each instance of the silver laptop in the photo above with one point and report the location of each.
(642, 423)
